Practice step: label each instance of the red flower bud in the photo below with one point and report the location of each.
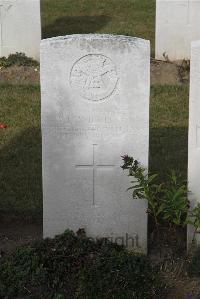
(3, 126)
(125, 158)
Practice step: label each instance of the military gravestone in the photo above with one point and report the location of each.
(95, 108)
(177, 25)
(194, 132)
(20, 27)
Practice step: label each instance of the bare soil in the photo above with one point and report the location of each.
(169, 73)
(174, 271)
(20, 75)
(18, 233)
(161, 73)
(182, 287)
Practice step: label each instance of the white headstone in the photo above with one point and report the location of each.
(95, 108)
(177, 25)
(194, 132)
(20, 27)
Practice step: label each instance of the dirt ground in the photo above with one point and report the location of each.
(161, 73)
(169, 73)
(16, 233)
(183, 288)
(19, 75)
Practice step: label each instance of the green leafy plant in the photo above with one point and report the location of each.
(144, 187)
(114, 274)
(175, 202)
(196, 218)
(19, 59)
(167, 201)
(193, 268)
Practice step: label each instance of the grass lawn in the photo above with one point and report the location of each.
(128, 17)
(20, 152)
(169, 129)
(20, 143)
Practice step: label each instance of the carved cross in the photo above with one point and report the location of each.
(94, 166)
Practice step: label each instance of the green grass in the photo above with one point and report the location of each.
(20, 152)
(128, 17)
(169, 129)
(20, 143)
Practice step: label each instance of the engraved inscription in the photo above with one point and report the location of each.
(94, 166)
(94, 118)
(94, 76)
(103, 125)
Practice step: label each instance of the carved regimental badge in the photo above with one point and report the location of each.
(94, 77)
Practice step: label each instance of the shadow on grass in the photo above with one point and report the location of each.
(21, 163)
(75, 25)
(20, 177)
(168, 150)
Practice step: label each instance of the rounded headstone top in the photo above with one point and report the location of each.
(98, 37)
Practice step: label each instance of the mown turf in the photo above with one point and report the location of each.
(20, 143)
(20, 152)
(128, 17)
(169, 129)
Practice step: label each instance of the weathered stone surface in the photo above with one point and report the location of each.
(177, 25)
(20, 27)
(95, 108)
(194, 132)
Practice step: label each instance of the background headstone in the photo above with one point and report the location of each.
(20, 27)
(95, 108)
(194, 132)
(177, 25)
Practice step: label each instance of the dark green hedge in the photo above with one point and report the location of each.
(18, 59)
(71, 266)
